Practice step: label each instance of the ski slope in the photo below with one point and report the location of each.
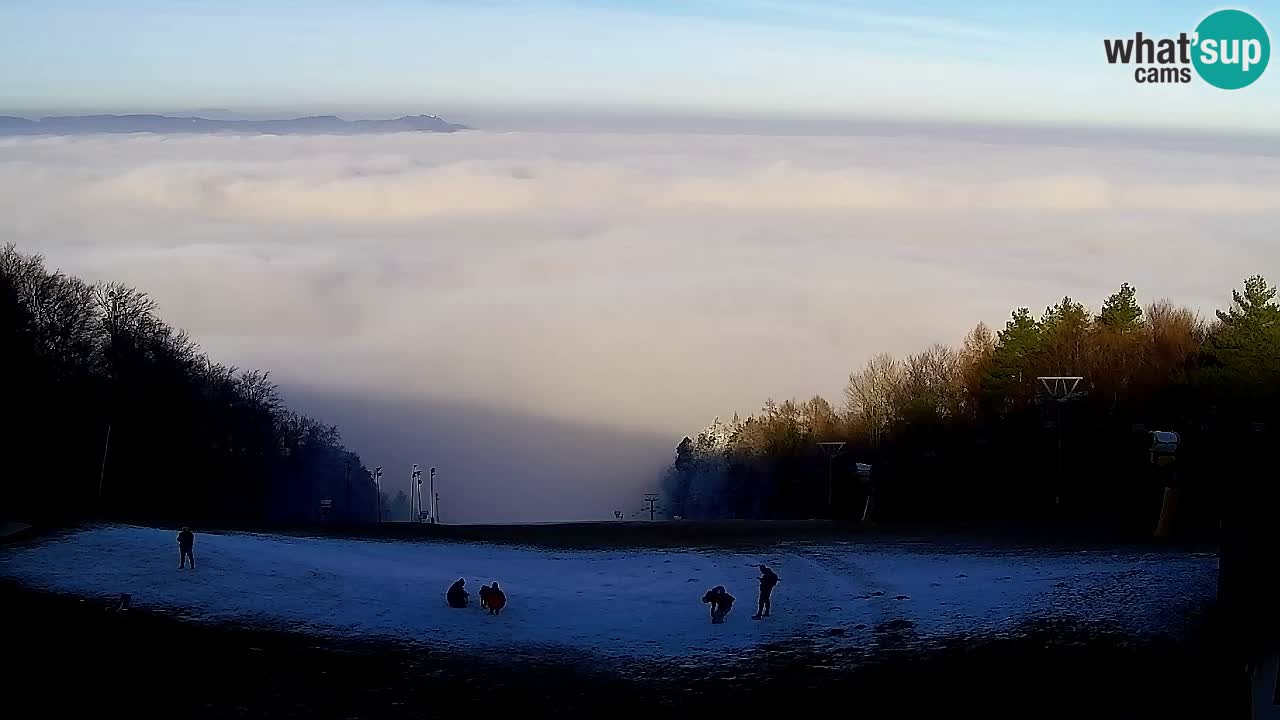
(642, 603)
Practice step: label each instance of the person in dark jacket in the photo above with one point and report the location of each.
(186, 539)
(496, 599)
(485, 590)
(457, 596)
(768, 579)
(721, 602)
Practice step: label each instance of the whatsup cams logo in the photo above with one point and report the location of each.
(1229, 49)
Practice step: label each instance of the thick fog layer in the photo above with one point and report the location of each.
(543, 316)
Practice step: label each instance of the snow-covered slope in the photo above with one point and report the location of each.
(642, 603)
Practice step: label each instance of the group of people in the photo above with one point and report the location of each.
(493, 599)
(491, 596)
(721, 601)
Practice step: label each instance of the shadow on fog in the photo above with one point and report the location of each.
(496, 465)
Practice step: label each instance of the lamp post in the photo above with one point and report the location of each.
(431, 498)
(377, 489)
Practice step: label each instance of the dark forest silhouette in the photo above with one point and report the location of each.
(92, 373)
(963, 434)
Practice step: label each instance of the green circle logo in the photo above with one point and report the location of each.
(1232, 49)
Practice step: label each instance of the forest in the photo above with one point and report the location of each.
(109, 412)
(968, 434)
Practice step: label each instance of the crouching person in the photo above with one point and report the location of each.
(720, 601)
(495, 599)
(457, 595)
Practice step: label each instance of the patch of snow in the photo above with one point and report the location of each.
(641, 603)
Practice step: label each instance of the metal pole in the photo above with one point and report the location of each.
(102, 472)
(652, 499)
(415, 487)
(830, 487)
(1057, 498)
(431, 498)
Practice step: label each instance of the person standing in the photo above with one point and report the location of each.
(768, 579)
(186, 540)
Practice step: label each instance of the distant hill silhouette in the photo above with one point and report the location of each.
(312, 125)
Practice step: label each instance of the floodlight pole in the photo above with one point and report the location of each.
(1051, 385)
(832, 449)
(1057, 493)
(831, 488)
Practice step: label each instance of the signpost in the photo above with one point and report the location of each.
(1164, 449)
(863, 471)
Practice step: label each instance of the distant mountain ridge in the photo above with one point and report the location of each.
(166, 124)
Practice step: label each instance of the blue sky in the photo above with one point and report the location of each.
(1001, 61)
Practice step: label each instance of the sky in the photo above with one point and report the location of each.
(755, 197)
(1003, 61)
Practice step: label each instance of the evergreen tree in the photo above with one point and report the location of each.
(1121, 312)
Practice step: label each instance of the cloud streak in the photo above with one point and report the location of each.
(386, 189)
(641, 283)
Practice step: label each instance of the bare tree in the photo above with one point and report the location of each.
(870, 393)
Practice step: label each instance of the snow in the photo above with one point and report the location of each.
(641, 603)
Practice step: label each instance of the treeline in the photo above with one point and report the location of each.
(966, 433)
(110, 412)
